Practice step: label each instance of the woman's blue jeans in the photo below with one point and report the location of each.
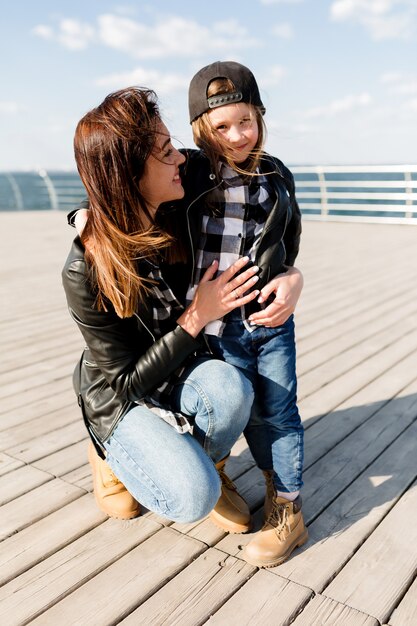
(275, 434)
(173, 474)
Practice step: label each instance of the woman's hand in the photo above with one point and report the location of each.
(80, 220)
(287, 289)
(214, 297)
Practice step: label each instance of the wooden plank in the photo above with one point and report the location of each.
(57, 369)
(346, 522)
(82, 477)
(330, 475)
(38, 541)
(39, 408)
(119, 589)
(65, 461)
(336, 365)
(41, 446)
(335, 392)
(46, 583)
(265, 600)
(406, 611)
(36, 504)
(330, 341)
(343, 307)
(384, 566)
(8, 464)
(38, 427)
(322, 611)
(21, 481)
(49, 391)
(361, 406)
(195, 593)
(343, 526)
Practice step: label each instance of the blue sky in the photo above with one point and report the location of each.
(338, 77)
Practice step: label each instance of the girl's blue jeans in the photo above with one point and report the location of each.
(173, 474)
(274, 432)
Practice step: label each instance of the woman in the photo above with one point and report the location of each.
(145, 379)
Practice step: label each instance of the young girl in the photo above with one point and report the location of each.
(248, 208)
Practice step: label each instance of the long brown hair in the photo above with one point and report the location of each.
(111, 145)
(215, 148)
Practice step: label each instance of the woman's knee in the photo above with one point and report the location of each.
(225, 382)
(195, 495)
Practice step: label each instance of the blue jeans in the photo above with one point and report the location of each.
(173, 474)
(275, 434)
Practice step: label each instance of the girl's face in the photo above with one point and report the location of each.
(161, 180)
(237, 126)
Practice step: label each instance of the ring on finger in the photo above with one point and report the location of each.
(236, 294)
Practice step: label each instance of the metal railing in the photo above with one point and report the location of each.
(377, 193)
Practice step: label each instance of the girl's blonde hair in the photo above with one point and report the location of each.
(111, 144)
(214, 146)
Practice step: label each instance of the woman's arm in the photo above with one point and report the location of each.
(131, 361)
(286, 289)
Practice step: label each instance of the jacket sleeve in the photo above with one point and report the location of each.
(84, 204)
(131, 365)
(292, 233)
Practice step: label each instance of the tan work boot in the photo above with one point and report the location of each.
(282, 533)
(111, 495)
(231, 512)
(270, 492)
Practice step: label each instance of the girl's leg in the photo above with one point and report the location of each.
(168, 472)
(237, 347)
(274, 432)
(277, 388)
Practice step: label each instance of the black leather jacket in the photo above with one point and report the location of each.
(280, 239)
(122, 362)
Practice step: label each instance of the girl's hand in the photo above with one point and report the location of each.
(214, 297)
(287, 289)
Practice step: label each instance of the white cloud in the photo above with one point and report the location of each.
(400, 82)
(341, 105)
(71, 34)
(269, 2)
(284, 30)
(11, 108)
(272, 76)
(172, 37)
(412, 105)
(162, 83)
(384, 19)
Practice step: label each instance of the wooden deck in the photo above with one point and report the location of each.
(63, 562)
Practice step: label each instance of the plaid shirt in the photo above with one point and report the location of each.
(164, 304)
(232, 226)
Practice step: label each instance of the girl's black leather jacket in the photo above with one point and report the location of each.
(280, 240)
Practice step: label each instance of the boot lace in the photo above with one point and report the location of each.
(279, 518)
(226, 482)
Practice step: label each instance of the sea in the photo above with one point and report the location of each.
(382, 192)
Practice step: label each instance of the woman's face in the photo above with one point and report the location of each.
(161, 181)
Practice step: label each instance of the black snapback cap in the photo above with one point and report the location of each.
(244, 81)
